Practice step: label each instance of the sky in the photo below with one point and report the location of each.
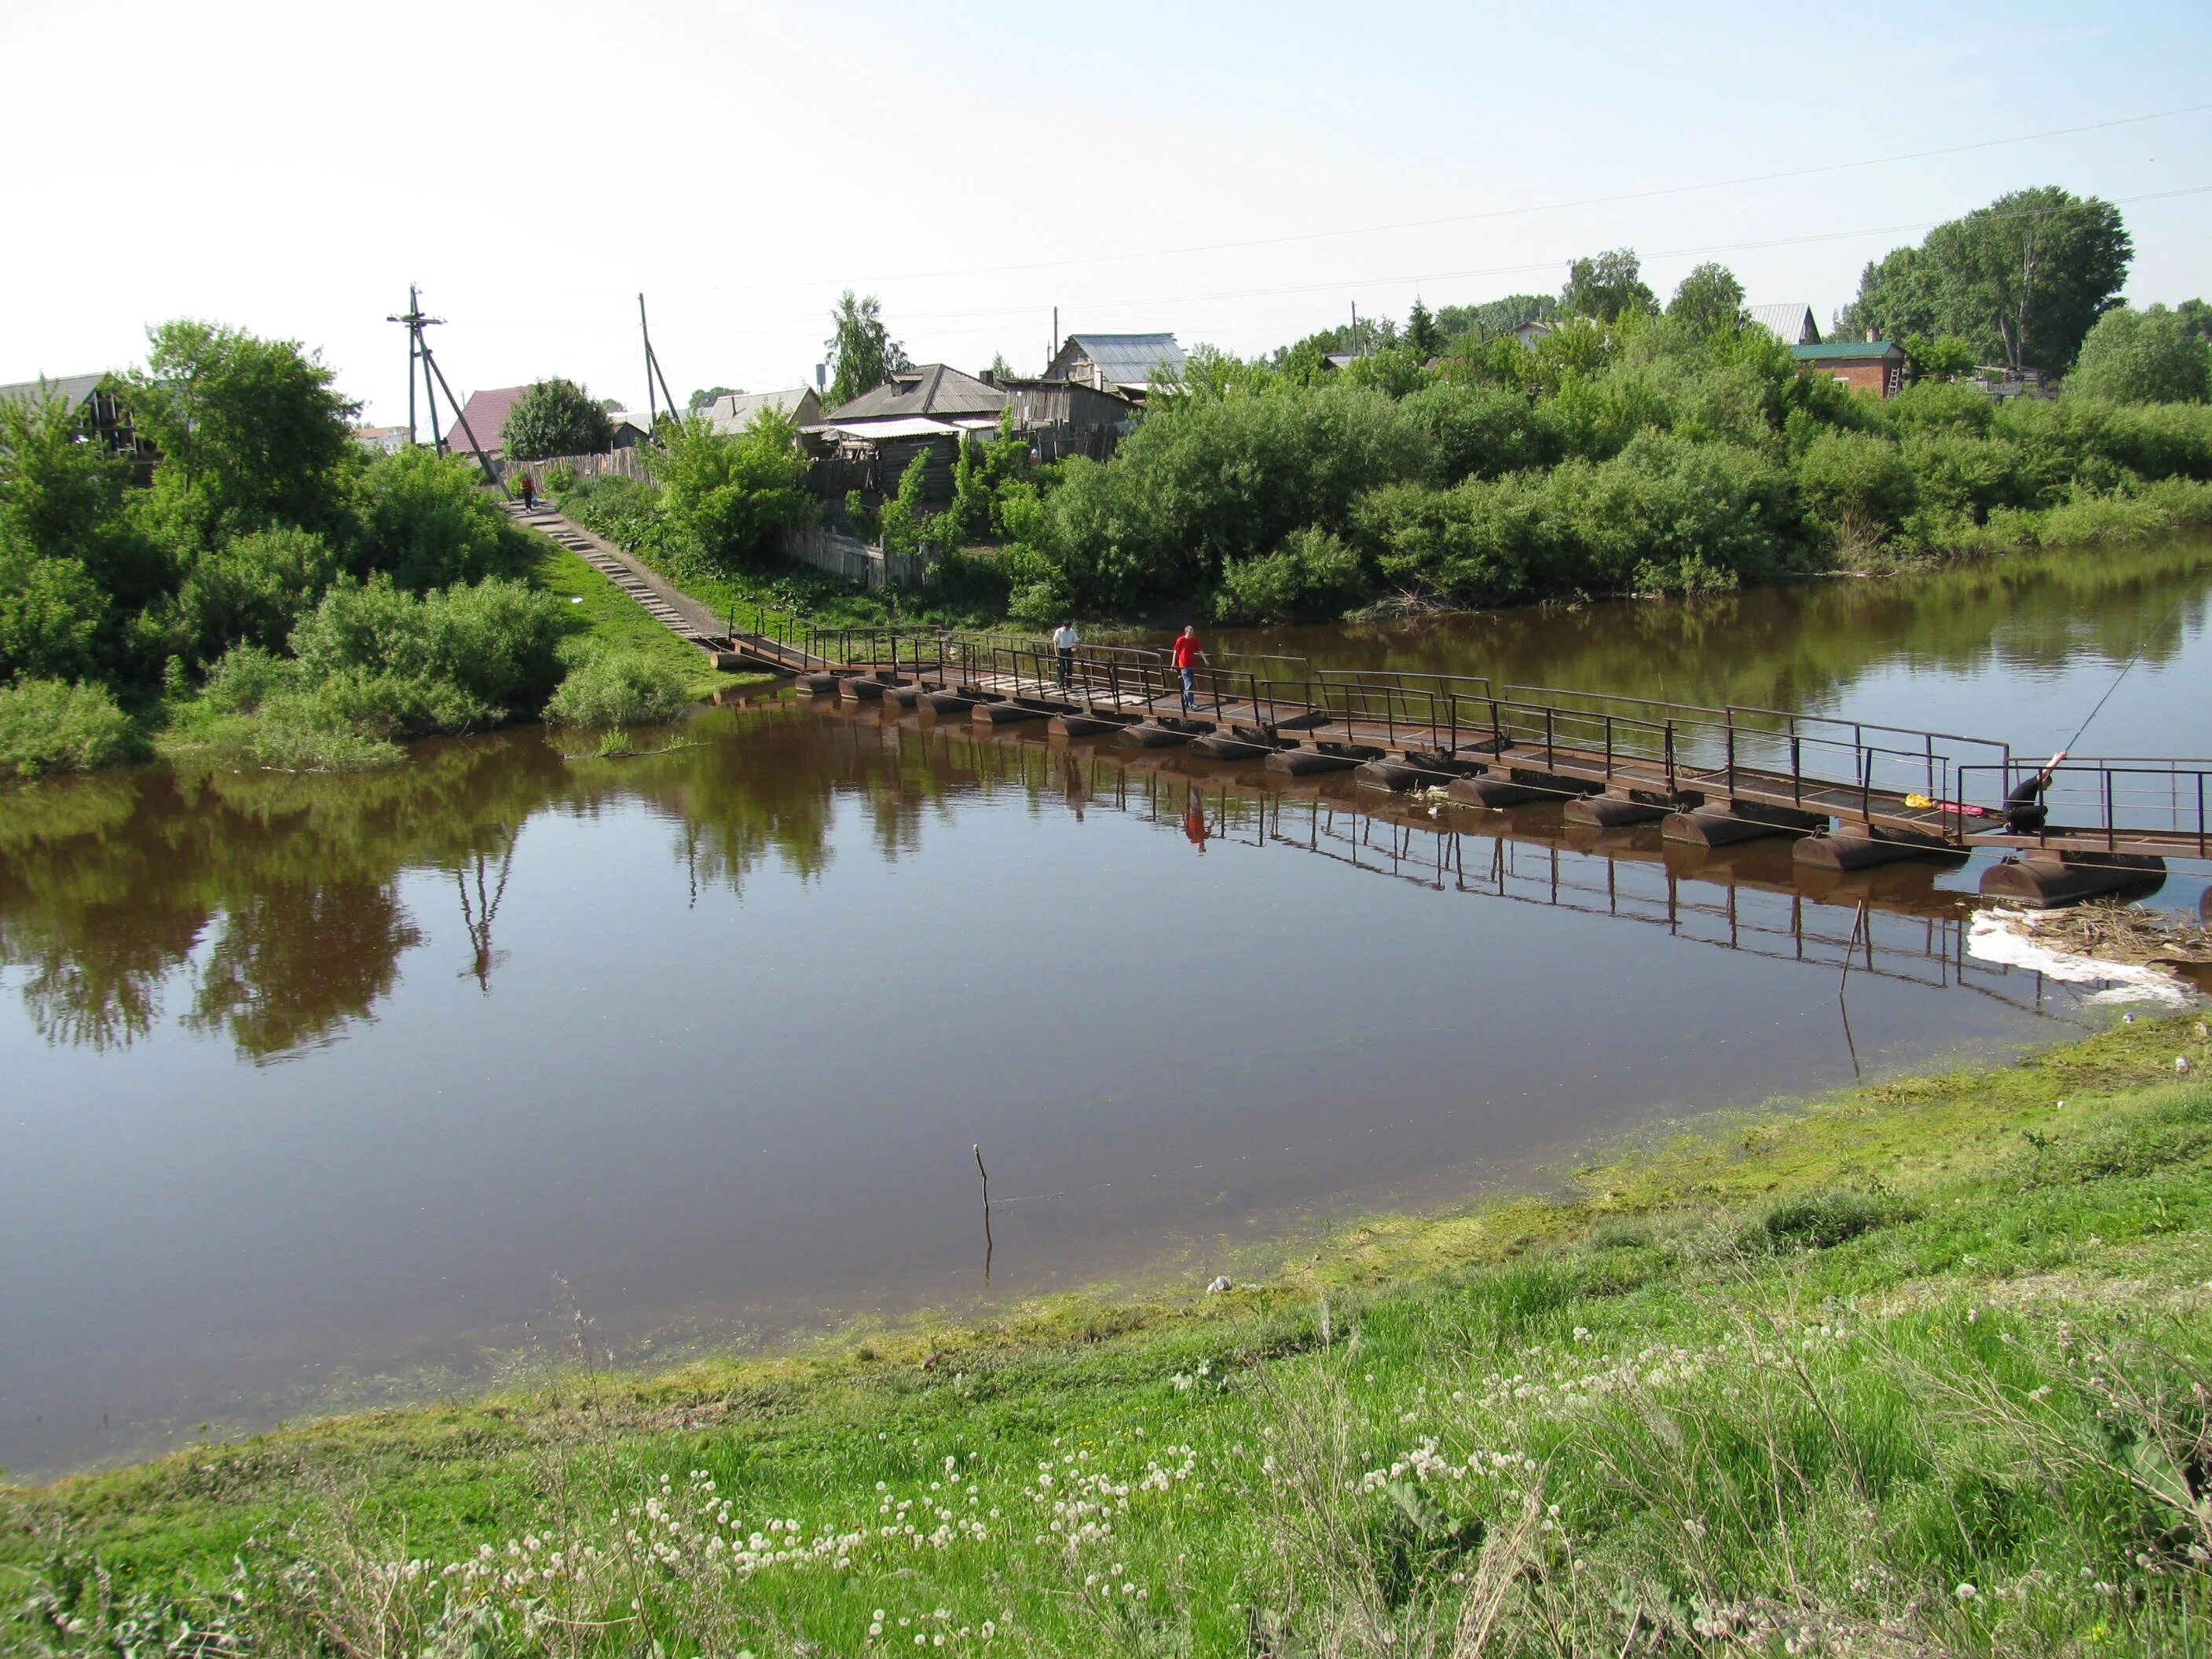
(1238, 174)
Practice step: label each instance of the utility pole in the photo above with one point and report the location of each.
(653, 370)
(434, 381)
(1056, 335)
(415, 322)
(1355, 329)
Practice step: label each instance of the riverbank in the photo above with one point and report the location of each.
(1910, 1367)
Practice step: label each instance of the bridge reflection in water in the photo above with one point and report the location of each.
(1894, 922)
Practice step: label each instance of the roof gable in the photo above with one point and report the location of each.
(1135, 360)
(1791, 323)
(930, 389)
(487, 413)
(734, 411)
(71, 389)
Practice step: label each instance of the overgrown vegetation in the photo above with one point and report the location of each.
(1920, 1368)
(272, 593)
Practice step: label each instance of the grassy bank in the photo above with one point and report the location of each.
(1918, 1367)
(611, 618)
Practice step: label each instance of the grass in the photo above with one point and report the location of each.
(613, 618)
(1919, 1367)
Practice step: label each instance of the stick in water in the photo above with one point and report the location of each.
(985, 1174)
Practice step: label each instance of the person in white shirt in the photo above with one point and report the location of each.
(1065, 641)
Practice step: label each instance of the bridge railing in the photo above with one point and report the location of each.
(2114, 798)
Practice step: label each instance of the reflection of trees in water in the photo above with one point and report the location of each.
(1802, 647)
(292, 965)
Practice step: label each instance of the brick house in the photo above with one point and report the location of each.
(1875, 365)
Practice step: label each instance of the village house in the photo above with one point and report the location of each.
(867, 444)
(100, 414)
(486, 414)
(1790, 323)
(1130, 364)
(1870, 365)
(734, 411)
(381, 440)
(1067, 417)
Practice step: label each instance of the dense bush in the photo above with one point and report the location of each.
(426, 521)
(553, 417)
(251, 590)
(50, 726)
(617, 688)
(2142, 357)
(725, 494)
(373, 664)
(1312, 577)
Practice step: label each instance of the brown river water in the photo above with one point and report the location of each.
(317, 1092)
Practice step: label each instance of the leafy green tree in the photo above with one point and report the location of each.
(426, 522)
(554, 417)
(2022, 280)
(706, 395)
(1709, 300)
(1422, 333)
(2196, 318)
(1606, 285)
(862, 353)
(60, 508)
(1496, 317)
(1943, 358)
(251, 432)
(726, 493)
(2142, 357)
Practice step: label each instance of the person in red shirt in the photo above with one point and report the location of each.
(1188, 656)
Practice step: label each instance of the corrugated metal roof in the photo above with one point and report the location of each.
(1845, 351)
(1792, 323)
(892, 426)
(932, 389)
(1132, 358)
(734, 411)
(72, 389)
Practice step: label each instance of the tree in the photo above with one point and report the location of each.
(1606, 285)
(1709, 301)
(251, 431)
(2142, 357)
(1946, 357)
(862, 353)
(1495, 317)
(728, 492)
(706, 395)
(554, 417)
(2022, 280)
(1423, 334)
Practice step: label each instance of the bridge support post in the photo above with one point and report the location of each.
(1721, 823)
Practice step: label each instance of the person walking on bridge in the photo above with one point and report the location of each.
(1064, 640)
(1189, 653)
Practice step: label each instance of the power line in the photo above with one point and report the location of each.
(1504, 213)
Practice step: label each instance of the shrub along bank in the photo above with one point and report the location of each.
(1920, 1368)
(274, 592)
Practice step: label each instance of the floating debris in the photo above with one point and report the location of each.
(2059, 945)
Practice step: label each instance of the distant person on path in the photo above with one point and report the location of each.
(1187, 655)
(2024, 811)
(529, 492)
(1064, 640)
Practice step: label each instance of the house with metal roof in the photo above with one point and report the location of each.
(734, 411)
(100, 414)
(1875, 365)
(1131, 364)
(1790, 323)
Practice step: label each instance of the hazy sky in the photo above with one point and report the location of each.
(1241, 174)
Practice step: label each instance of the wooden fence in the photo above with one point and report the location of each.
(616, 463)
(841, 555)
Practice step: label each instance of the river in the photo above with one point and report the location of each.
(329, 1092)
